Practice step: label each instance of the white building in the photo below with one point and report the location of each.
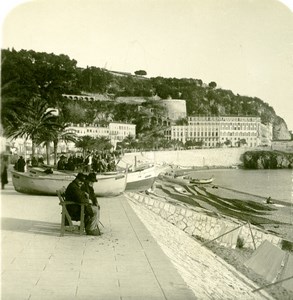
(116, 131)
(92, 130)
(238, 128)
(215, 131)
(119, 131)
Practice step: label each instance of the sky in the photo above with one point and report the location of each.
(243, 45)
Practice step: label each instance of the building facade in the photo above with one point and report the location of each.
(215, 131)
(115, 132)
(119, 131)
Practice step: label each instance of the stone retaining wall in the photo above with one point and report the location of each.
(224, 157)
(199, 224)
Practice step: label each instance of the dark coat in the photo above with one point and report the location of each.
(90, 191)
(20, 165)
(75, 194)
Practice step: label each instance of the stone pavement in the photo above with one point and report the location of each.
(209, 276)
(124, 263)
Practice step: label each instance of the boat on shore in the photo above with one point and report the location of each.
(185, 180)
(108, 185)
(201, 181)
(35, 184)
(141, 178)
(138, 178)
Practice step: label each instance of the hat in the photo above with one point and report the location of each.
(80, 177)
(92, 177)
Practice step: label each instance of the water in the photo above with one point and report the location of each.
(277, 184)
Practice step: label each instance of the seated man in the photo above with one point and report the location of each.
(75, 194)
(88, 188)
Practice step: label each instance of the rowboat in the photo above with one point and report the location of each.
(201, 181)
(34, 184)
(108, 185)
(184, 180)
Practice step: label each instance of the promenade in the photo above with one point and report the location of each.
(126, 262)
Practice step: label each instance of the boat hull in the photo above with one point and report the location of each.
(110, 185)
(201, 181)
(140, 185)
(141, 180)
(39, 185)
(185, 180)
(27, 183)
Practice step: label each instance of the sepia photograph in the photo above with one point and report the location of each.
(146, 149)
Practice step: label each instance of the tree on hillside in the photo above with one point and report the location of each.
(28, 73)
(95, 80)
(73, 112)
(212, 85)
(140, 72)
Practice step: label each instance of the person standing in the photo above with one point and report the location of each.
(61, 163)
(89, 161)
(20, 164)
(4, 172)
(76, 194)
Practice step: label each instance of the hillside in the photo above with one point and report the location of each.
(27, 73)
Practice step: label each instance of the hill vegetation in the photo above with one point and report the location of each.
(27, 74)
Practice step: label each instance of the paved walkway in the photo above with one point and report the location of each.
(124, 263)
(209, 276)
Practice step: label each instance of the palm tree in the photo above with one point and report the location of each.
(103, 143)
(62, 135)
(33, 121)
(86, 143)
(128, 142)
(45, 138)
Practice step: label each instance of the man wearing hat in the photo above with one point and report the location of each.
(88, 188)
(76, 194)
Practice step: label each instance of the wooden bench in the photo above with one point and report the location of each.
(65, 215)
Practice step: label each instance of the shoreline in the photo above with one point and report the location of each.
(275, 217)
(275, 201)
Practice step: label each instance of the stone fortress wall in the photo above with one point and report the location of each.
(200, 224)
(175, 108)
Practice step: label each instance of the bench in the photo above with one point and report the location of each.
(65, 215)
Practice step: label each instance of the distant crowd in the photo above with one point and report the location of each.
(97, 162)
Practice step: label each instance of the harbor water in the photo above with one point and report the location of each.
(277, 184)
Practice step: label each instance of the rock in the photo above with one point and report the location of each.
(267, 160)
